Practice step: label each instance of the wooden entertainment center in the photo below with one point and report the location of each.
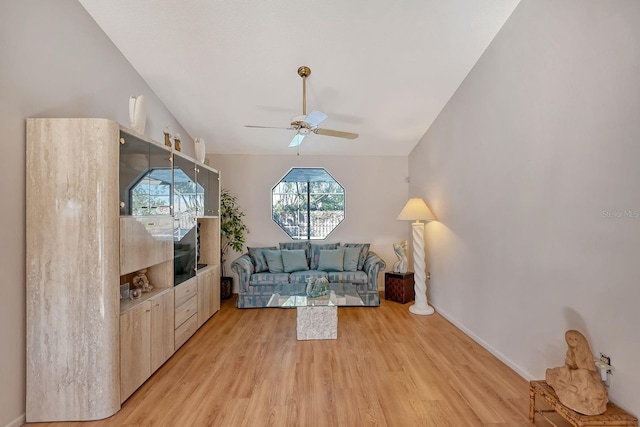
(104, 203)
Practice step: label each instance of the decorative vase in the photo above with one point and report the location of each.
(137, 113)
(200, 148)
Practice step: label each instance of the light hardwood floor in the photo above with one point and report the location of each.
(387, 368)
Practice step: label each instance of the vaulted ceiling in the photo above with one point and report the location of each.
(381, 69)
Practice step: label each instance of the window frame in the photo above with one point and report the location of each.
(309, 224)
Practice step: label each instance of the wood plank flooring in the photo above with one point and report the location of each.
(387, 368)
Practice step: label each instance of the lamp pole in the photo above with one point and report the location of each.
(421, 306)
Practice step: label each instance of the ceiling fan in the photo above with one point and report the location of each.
(308, 123)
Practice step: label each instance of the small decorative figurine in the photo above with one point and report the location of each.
(400, 249)
(577, 383)
(317, 287)
(141, 282)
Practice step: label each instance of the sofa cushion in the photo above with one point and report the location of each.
(331, 260)
(274, 261)
(294, 260)
(364, 247)
(351, 258)
(258, 259)
(298, 245)
(314, 256)
(302, 276)
(355, 277)
(269, 278)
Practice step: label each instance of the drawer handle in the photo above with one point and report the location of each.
(151, 223)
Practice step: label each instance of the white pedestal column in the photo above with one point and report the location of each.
(421, 305)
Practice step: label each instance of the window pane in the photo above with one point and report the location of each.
(308, 203)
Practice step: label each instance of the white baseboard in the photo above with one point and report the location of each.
(18, 421)
(524, 374)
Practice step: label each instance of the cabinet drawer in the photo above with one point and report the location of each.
(184, 331)
(186, 310)
(186, 291)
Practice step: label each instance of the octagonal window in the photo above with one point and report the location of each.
(307, 203)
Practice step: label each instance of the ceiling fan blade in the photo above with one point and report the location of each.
(266, 127)
(339, 134)
(297, 140)
(314, 118)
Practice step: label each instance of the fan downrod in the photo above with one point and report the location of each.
(304, 71)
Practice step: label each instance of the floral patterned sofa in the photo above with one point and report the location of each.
(259, 278)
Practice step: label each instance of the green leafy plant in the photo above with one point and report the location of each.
(232, 227)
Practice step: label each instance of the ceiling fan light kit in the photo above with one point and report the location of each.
(306, 123)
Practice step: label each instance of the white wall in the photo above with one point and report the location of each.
(56, 62)
(376, 191)
(537, 145)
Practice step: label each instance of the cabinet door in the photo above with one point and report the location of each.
(162, 329)
(215, 290)
(204, 297)
(145, 177)
(135, 348)
(209, 186)
(134, 164)
(145, 241)
(208, 294)
(184, 207)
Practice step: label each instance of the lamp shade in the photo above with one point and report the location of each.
(416, 209)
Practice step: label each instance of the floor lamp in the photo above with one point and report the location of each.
(415, 210)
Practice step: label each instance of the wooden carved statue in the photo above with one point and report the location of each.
(578, 383)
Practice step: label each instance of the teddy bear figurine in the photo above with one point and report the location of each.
(141, 281)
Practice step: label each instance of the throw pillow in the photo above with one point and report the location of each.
(274, 261)
(294, 260)
(315, 253)
(258, 258)
(364, 247)
(351, 257)
(298, 245)
(331, 260)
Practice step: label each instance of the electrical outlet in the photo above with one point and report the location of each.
(605, 369)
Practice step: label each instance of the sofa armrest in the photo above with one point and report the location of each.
(243, 267)
(373, 264)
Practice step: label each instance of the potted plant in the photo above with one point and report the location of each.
(232, 232)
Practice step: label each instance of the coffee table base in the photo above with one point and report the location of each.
(317, 323)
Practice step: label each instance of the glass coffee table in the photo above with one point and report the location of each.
(317, 317)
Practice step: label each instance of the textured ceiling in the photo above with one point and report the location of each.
(381, 69)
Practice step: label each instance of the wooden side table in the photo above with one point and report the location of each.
(399, 287)
(614, 416)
